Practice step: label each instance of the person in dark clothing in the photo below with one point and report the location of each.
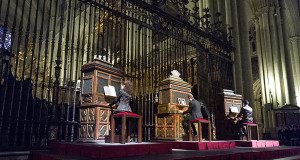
(194, 111)
(245, 116)
(280, 135)
(123, 98)
(122, 103)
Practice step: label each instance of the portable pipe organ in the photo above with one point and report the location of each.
(173, 97)
(94, 109)
(227, 106)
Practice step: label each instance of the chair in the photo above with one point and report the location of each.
(199, 121)
(248, 129)
(124, 116)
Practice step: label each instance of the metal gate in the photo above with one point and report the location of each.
(44, 43)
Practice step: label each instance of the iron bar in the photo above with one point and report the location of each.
(107, 27)
(27, 32)
(37, 76)
(72, 104)
(53, 41)
(89, 36)
(57, 73)
(46, 51)
(111, 37)
(68, 79)
(83, 36)
(94, 34)
(117, 49)
(4, 96)
(76, 69)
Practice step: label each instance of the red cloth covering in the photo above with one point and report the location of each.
(198, 119)
(128, 114)
(249, 123)
(212, 145)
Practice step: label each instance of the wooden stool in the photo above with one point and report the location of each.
(125, 115)
(199, 121)
(248, 129)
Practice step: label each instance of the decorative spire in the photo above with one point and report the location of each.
(195, 14)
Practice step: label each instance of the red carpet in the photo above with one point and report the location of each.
(257, 144)
(101, 150)
(204, 145)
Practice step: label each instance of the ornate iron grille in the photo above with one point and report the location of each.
(44, 43)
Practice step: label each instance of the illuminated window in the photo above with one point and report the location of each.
(7, 41)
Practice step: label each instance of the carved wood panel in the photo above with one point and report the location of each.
(168, 126)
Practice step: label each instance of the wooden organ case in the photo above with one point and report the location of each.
(173, 96)
(94, 109)
(224, 119)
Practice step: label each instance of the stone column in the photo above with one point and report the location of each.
(273, 62)
(237, 68)
(283, 50)
(295, 42)
(221, 9)
(261, 70)
(245, 51)
(287, 54)
(211, 10)
(270, 88)
(201, 6)
(265, 79)
(227, 15)
(205, 3)
(269, 59)
(276, 59)
(260, 59)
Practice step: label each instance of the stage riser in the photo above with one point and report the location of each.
(280, 153)
(76, 151)
(257, 144)
(186, 145)
(105, 150)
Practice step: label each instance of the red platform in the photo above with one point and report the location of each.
(204, 145)
(101, 150)
(254, 153)
(146, 151)
(257, 144)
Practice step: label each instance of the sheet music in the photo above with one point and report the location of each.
(181, 101)
(110, 91)
(233, 109)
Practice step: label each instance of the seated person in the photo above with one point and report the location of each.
(194, 111)
(123, 98)
(245, 116)
(122, 102)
